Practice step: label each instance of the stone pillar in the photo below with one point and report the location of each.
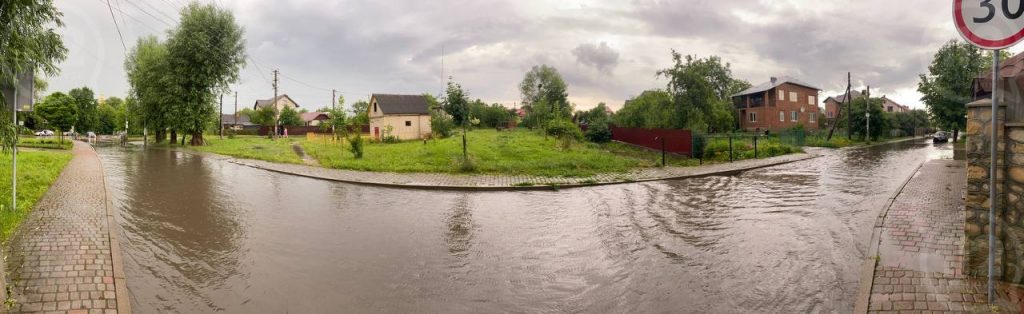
(1010, 225)
(979, 130)
(1009, 186)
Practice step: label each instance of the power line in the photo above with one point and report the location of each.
(304, 83)
(150, 14)
(111, 9)
(159, 11)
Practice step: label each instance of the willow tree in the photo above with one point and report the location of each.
(28, 41)
(205, 53)
(151, 88)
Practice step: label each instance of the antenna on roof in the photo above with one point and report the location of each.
(442, 68)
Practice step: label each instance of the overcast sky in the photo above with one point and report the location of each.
(607, 51)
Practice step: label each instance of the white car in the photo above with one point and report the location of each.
(44, 133)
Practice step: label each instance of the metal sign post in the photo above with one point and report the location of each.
(992, 25)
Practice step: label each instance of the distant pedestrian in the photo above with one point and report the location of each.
(285, 132)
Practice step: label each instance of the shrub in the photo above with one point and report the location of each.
(230, 133)
(564, 129)
(467, 164)
(441, 125)
(356, 146)
(700, 144)
(389, 137)
(599, 133)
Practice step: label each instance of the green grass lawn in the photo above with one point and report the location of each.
(45, 142)
(36, 172)
(512, 153)
(519, 152)
(254, 147)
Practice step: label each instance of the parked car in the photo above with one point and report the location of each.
(90, 134)
(940, 137)
(44, 133)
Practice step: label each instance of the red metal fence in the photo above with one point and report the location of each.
(676, 141)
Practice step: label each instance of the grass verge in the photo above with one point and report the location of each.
(518, 152)
(252, 147)
(47, 143)
(36, 172)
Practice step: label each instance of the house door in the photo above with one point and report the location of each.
(376, 132)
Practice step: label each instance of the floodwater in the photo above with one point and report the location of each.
(205, 235)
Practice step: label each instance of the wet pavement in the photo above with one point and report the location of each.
(62, 260)
(920, 264)
(205, 235)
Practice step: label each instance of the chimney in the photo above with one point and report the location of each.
(774, 79)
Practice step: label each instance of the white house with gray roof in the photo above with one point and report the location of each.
(404, 116)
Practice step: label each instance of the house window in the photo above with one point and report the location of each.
(810, 100)
(782, 95)
(889, 108)
(782, 116)
(753, 117)
(374, 107)
(830, 115)
(792, 96)
(794, 115)
(408, 123)
(814, 117)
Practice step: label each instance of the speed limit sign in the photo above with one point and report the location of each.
(990, 24)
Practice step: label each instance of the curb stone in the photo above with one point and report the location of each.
(867, 276)
(117, 260)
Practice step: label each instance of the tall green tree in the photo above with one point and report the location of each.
(58, 110)
(205, 53)
(289, 117)
(544, 95)
(456, 104)
(880, 121)
(152, 89)
(88, 117)
(28, 41)
(651, 109)
(946, 89)
(360, 112)
(701, 90)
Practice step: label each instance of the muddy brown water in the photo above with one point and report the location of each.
(205, 235)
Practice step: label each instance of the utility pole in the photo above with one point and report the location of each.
(220, 114)
(334, 99)
(235, 122)
(867, 115)
(273, 103)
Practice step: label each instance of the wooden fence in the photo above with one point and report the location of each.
(675, 141)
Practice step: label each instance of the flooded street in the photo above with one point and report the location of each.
(204, 235)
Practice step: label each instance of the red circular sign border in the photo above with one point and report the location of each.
(966, 33)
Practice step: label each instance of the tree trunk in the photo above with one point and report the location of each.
(197, 139)
(161, 135)
(174, 137)
(956, 135)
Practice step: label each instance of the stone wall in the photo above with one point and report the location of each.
(1010, 202)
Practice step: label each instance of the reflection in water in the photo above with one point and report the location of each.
(195, 232)
(459, 234)
(205, 235)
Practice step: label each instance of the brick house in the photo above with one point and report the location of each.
(833, 104)
(779, 104)
(891, 106)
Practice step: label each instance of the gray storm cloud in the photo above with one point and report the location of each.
(601, 57)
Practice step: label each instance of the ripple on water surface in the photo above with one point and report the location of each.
(204, 235)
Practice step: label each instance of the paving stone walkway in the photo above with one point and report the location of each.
(62, 259)
(921, 248)
(504, 182)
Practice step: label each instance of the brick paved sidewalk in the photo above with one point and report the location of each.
(61, 257)
(502, 182)
(921, 248)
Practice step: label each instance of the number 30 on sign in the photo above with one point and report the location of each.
(990, 24)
